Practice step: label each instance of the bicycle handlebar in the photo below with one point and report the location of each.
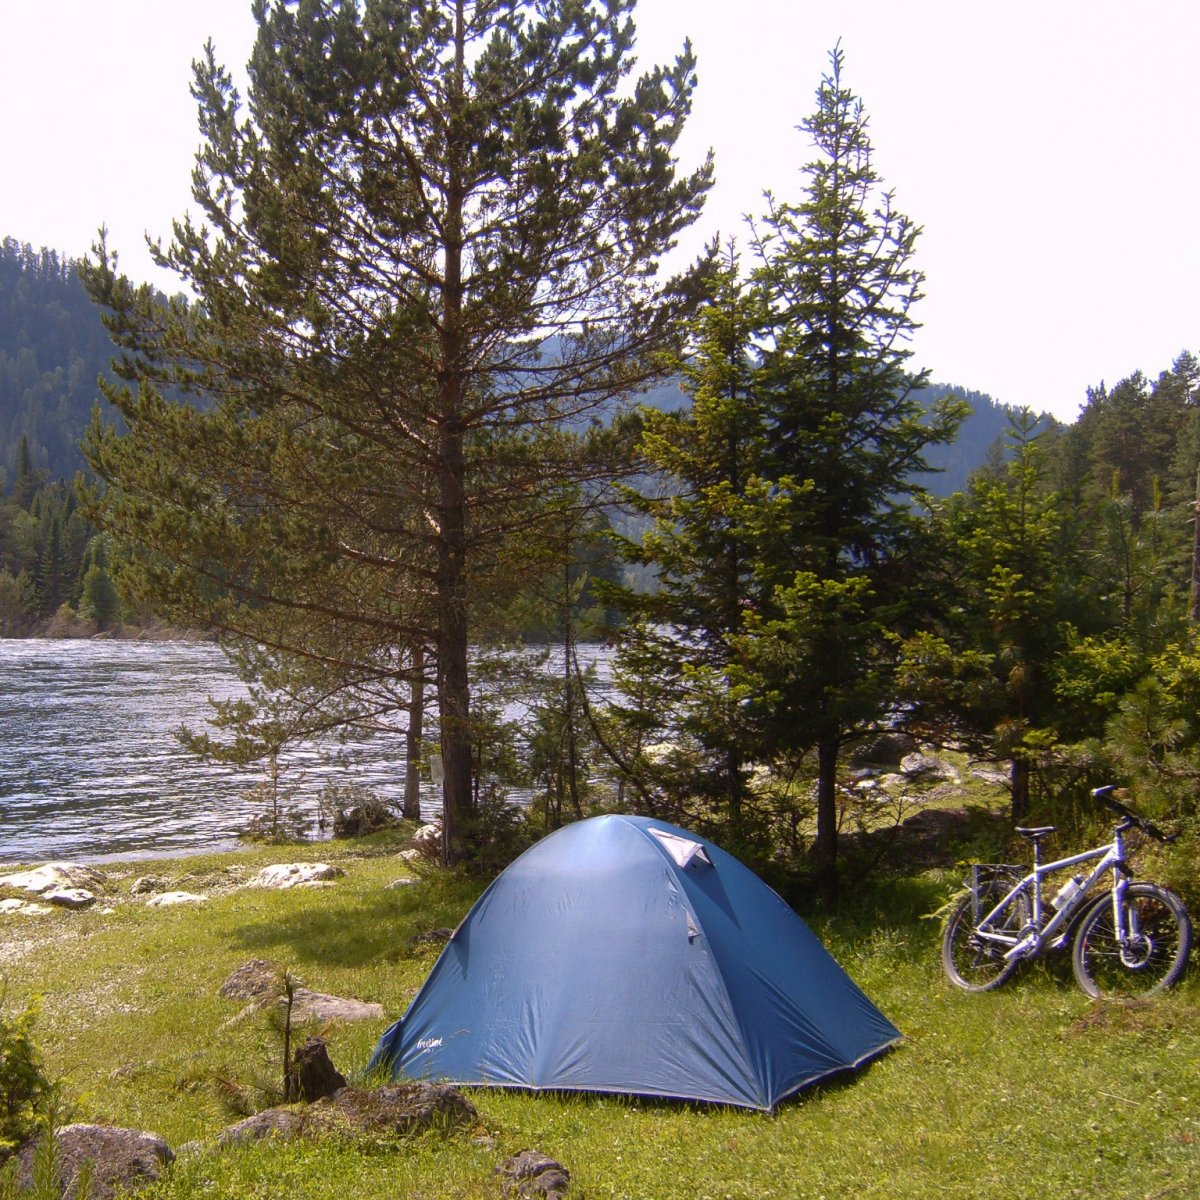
(1108, 795)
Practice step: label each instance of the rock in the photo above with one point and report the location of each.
(427, 841)
(431, 937)
(996, 775)
(123, 1159)
(55, 876)
(397, 884)
(316, 1076)
(283, 1123)
(70, 898)
(533, 1174)
(24, 908)
(410, 855)
(394, 1108)
(289, 875)
(926, 765)
(253, 980)
(261, 982)
(145, 884)
(171, 899)
(317, 1006)
(884, 749)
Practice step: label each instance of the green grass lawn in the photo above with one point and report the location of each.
(1030, 1091)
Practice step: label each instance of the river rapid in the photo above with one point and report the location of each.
(90, 767)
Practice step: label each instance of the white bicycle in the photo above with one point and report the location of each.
(1132, 941)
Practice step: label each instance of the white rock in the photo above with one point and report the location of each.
(70, 897)
(289, 875)
(170, 899)
(55, 876)
(427, 841)
(23, 908)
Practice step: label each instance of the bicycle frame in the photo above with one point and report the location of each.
(1040, 934)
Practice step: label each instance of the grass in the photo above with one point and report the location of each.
(1024, 1092)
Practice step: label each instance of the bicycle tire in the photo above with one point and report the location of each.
(974, 965)
(1155, 964)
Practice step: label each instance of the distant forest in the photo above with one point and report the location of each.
(53, 346)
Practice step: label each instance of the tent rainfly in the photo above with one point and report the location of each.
(623, 954)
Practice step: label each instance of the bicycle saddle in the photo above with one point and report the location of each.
(1039, 831)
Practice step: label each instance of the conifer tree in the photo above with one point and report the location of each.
(675, 651)
(431, 237)
(847, 431)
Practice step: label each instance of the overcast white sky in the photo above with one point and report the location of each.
(1048, 147)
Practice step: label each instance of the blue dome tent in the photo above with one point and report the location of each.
(623, 954)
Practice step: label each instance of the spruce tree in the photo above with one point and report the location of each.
(675, 650)
(848, 431)
(431, 237)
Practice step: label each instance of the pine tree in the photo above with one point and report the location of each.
(434, 238)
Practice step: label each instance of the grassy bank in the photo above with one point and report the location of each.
(1029, 1091)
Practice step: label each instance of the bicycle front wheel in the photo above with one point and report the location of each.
(974, 963)
(1151, 958)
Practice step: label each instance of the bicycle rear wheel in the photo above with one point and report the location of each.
(1153, 958)
(974, 963)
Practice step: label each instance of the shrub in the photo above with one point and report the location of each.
(23, 1084)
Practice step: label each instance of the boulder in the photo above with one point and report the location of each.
(532, 1175)
(392, 1109)
(123, 1159)
(144, 885)
(253, 980)
(927, 766)
(70, 897)
(54, 877)
(261, 982)
(316, 1076)
(171, 899)
(317, 1006)
(427, 841)
(289, 875)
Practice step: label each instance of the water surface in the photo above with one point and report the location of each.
(90, 767)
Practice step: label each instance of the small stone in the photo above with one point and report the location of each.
(146, 884)
(431, 937)
(171, 899)
(532, 1174)
(23, 908)
(397, 884)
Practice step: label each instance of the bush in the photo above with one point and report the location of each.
(355, 811)
(23, 1084)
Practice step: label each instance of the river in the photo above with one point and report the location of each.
(90, 768)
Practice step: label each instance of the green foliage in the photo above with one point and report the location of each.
(429, 258)
(24, 1085)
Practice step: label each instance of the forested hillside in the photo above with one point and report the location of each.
(52, 347)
